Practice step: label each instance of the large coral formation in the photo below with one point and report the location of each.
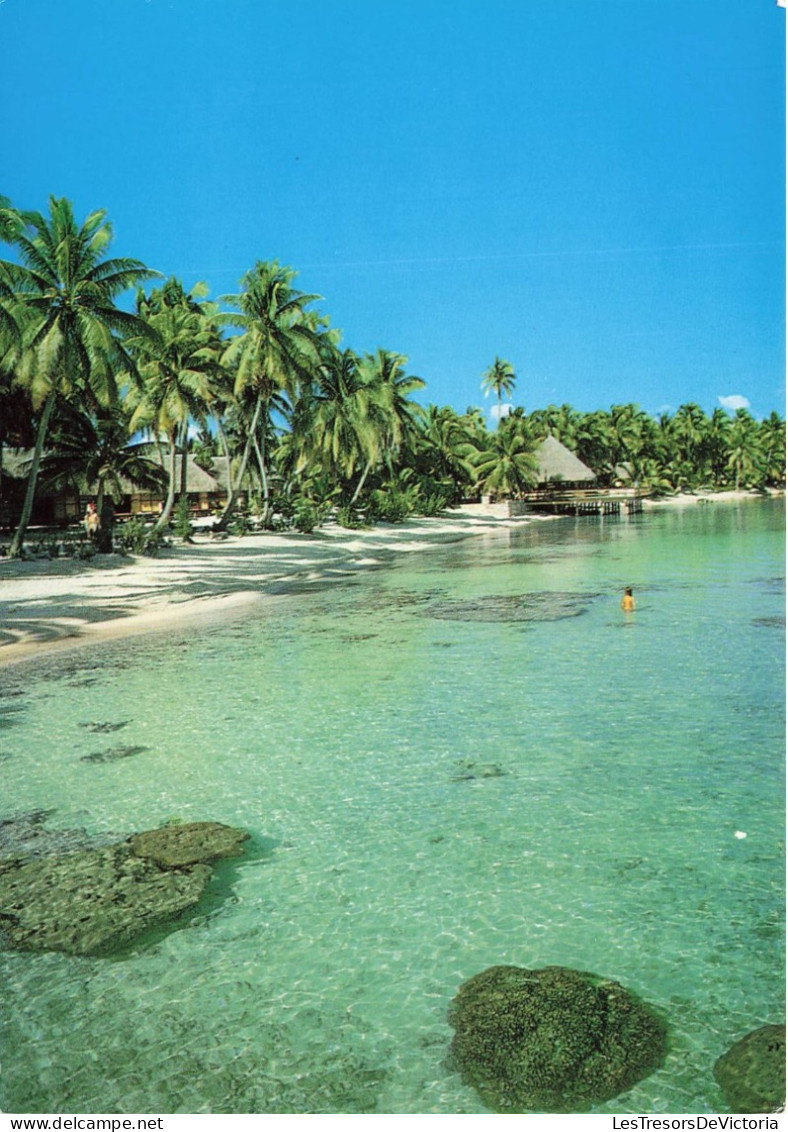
(97, 899)
(751, 1075)
(174, 846)
(553, 1039)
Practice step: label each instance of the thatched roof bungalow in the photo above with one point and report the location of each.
(63, 505)
(558, 465)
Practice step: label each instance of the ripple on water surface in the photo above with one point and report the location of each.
(429, 795)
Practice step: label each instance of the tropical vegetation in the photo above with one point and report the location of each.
(304, 426)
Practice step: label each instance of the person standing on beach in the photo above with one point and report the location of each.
(628, 601)
(92, 521)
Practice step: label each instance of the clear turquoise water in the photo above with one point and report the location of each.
(433, 788)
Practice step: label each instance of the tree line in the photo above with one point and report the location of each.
(260, 378)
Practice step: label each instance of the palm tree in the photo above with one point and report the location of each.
(342, 429)
(745, 455)
(386, 373)
(391, 416)
(499, 378)
(277, 349)
(93, 455)
(689, 430)
(629, 439)
(562, 422)
(772, 442)
(594, 443)
(441, 451)
(10, 223)
(716, 444)
(62, 296)
(177, 366)
(507, 465)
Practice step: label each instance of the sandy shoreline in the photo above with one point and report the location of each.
(48, 606)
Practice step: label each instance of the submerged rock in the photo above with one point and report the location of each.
(553, 1039)
(538, 606)
(174, 846)
(103, 728)
(469, 771)
(112, 754)
(751, 1075)
(92, 900)
(27, 835)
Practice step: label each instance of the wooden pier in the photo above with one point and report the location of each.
(585, 502)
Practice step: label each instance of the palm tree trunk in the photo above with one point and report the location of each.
(15, 549)
(235, 488)
(2, 445)
(184, 430)
(164, 518)
(361, 483)
(263, 477)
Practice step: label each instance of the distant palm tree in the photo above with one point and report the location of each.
(689, 430)
(499, 378)
(594, 443)
(745, 454)
(62, 297)
(562, 422)
(772, 443)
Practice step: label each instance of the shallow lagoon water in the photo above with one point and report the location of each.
(468, 758)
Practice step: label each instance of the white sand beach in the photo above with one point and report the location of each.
(52, 604)
(48, 605)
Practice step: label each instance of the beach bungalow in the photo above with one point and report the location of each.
(567, 487)
(202, 488)
(558, 465)
(65, 505)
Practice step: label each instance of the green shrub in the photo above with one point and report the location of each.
(305, 517)
(350, 517)
(391, 504)
(136, 537)
(432, 504)
(182, 525)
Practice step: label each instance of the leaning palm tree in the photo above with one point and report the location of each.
(391, 388)
(499, 378)
(62, 296)
(276, 349)
(337, 431)
(177, 368)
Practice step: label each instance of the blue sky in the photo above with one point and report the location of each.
(591, 189)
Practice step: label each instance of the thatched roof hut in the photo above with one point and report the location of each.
(557, 464)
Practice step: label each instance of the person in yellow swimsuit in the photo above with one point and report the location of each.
(628, 601)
